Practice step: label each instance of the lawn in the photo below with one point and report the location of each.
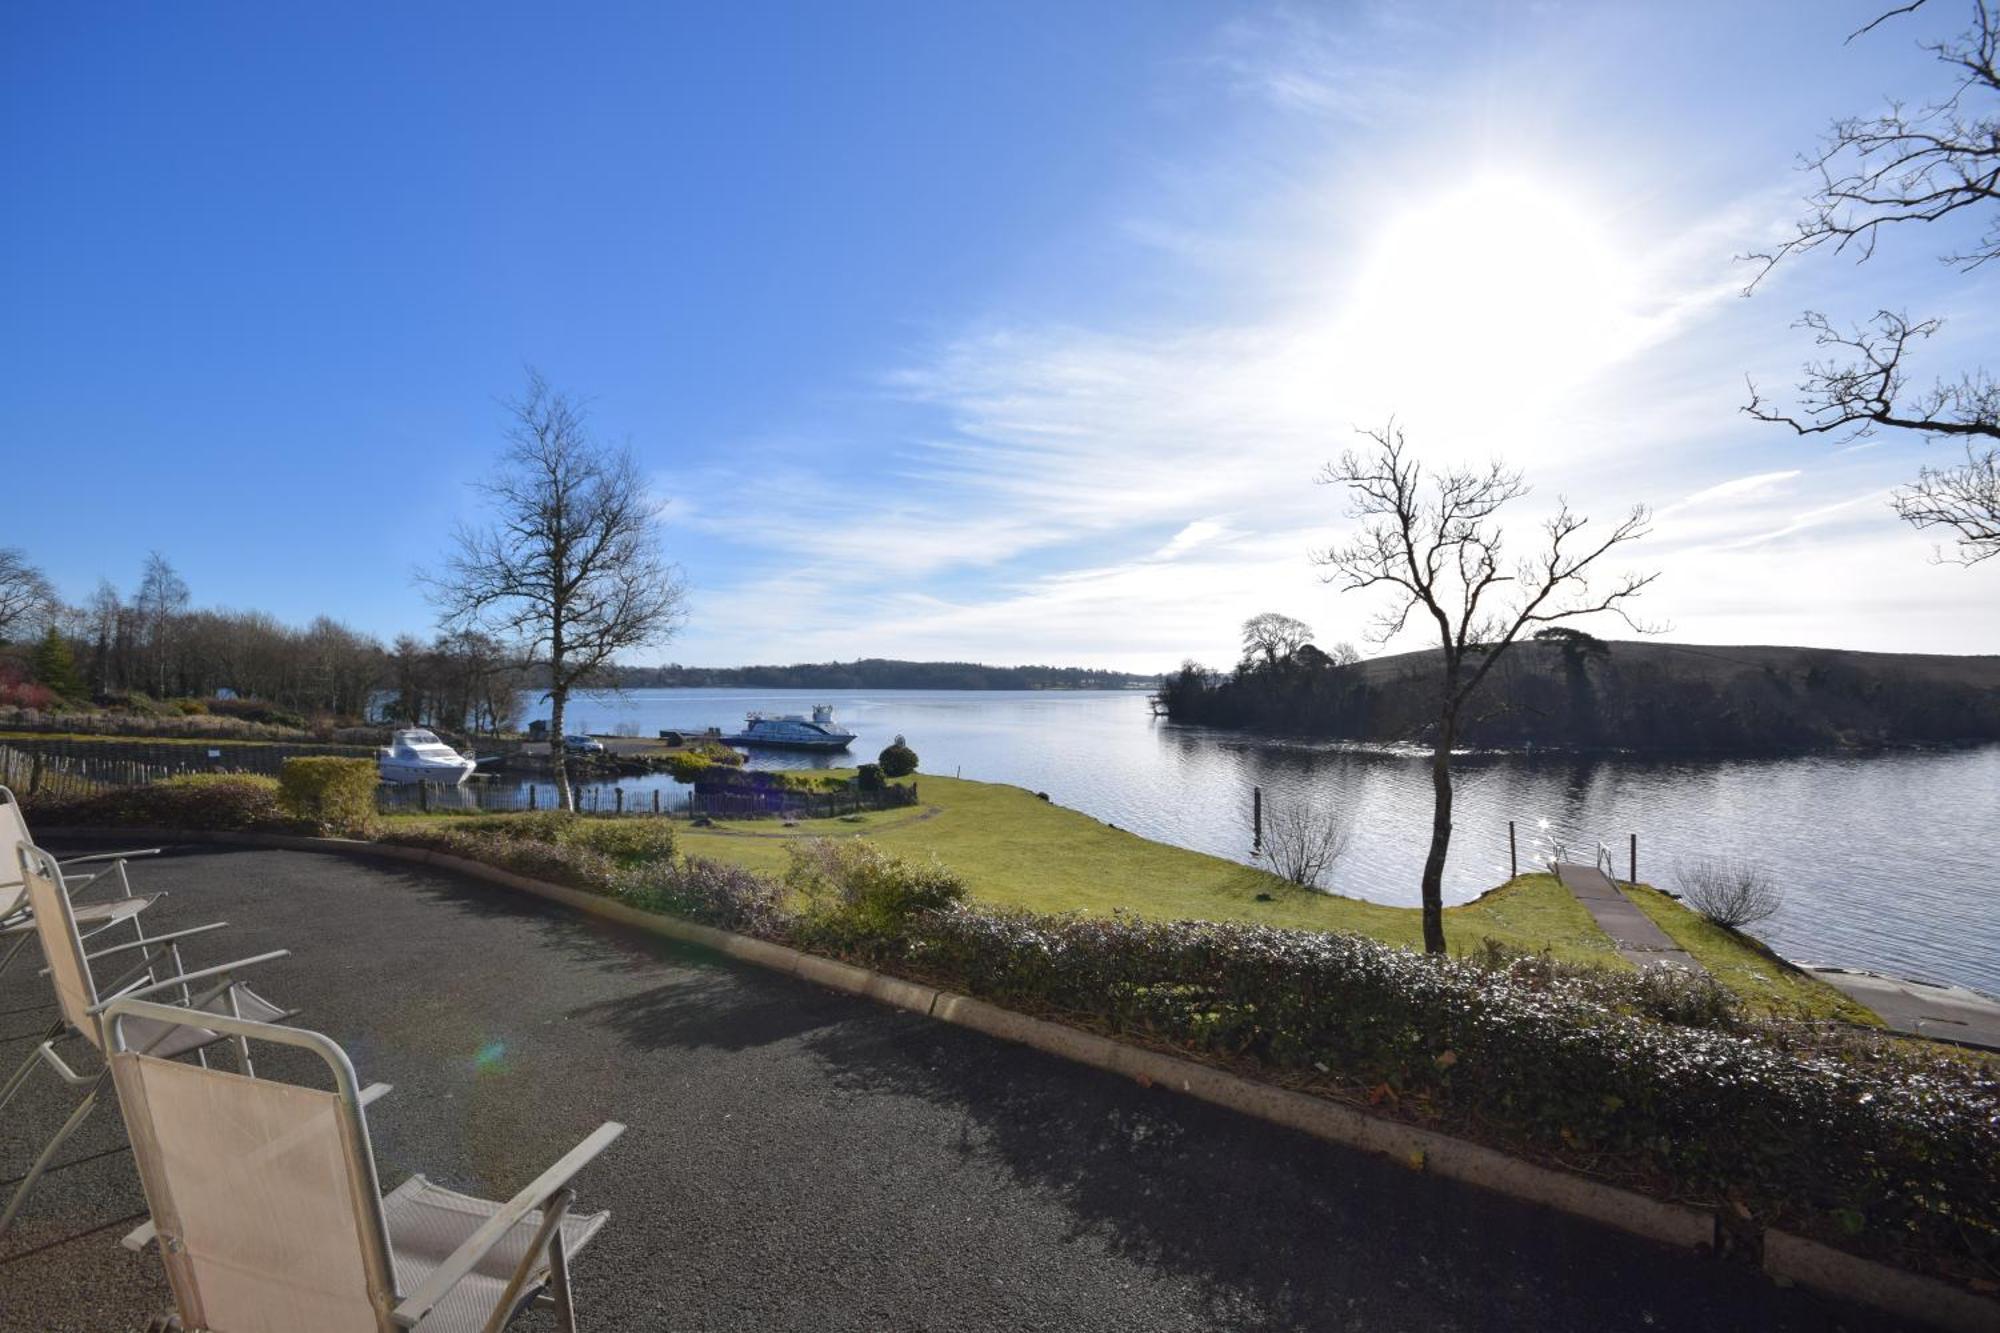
(1016, 850)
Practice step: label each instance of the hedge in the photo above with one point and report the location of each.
(225, 801)
(330, 793)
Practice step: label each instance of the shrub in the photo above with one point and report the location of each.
(688, 766)
(858, 894)
(219, 801)
(333, 794)
(869, 777)
(708, 892)
(1729, 892)
(636, 840)
(1303, 841)
(255, 710)
(898, 759)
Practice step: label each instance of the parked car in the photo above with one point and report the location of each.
(583, 745)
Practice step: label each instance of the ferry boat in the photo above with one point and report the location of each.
(793, 731)
(417, 755)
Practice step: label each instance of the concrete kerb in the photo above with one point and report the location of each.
(1786, 1256)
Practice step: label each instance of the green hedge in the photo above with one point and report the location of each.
(330, 793)
(225, 801)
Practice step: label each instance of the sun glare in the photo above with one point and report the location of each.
(1501, 289)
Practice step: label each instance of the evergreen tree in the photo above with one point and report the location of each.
(54, 666)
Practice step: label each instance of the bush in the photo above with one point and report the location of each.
(219, 801)
(688, 766)
(335, 795)
(869, 777)
(859, 895)
(898, 759)
(1729, 892)
(713, 894)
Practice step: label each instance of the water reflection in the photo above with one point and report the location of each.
(1884, 857)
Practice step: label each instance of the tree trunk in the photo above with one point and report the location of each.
(558, 752)
(1440, 840)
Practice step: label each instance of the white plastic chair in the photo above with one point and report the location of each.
(211, 991)
(270, 1217)
(16, 921)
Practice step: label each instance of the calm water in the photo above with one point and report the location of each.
(1888, 860)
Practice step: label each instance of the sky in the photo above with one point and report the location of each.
(1013, 333)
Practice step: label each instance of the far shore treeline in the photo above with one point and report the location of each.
(130, 653)
(1574, 691)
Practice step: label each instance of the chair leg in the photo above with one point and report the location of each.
(18, 945)
(559, 1284)
(70, 1125)
(20, 1074)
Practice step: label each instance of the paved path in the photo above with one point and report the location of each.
(1920, 1008)
(800, 1159)
(1639, 941)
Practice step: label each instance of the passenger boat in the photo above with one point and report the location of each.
(417, 755)
(793, 731)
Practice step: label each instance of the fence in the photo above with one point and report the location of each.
(611, 799)
(37, 772)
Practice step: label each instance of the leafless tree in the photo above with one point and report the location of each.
(1727, 891)
(1273, 637)
(569, 567)
(1872, 174)
(24, 591)
(1434, 542)
(1302, 841)
(162, 599)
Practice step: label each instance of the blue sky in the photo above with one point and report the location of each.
(1009, 332)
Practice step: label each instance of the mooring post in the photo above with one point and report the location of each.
(618, 799)
(532, 789)
(424, 796)
(656, 800)
(1513, 856)
(1257, 818)
(1632, 863)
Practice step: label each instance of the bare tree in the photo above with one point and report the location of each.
(570, 567)
(24, 591)
(1302, 841)
(1434, 543)
(162, 599)
(1872, 175)
(1273, 637)
(1727, 891)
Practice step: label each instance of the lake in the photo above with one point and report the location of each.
(1886, 859)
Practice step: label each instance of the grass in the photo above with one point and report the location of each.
(1765, 980)
(1016, 850)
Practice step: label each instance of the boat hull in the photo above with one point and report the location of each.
(404, 771)
(826, 745)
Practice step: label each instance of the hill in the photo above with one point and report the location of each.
(1629, 695)
(882, 673)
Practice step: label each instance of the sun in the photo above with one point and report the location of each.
(1502, 291)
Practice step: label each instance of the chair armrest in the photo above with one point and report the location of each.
(448, 1274)
(69, 861)
(204, 974)
(139, 1237)
(150, 941)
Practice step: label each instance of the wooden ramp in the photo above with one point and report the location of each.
(1638, 940)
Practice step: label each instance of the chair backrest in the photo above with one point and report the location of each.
(13, 830)
(55, 928)
(264, 1193)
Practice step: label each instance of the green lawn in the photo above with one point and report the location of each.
(1016, 850)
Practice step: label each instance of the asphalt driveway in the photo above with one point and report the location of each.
(801, 1159)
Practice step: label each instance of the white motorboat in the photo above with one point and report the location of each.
(793, 731)
(417, 755)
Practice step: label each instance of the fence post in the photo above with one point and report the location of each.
(656, 800)
(532, 789)
(424, 796)
(34, 772)
(1257, 818)
(1632, 864)
(1513, 857)
(618, 798)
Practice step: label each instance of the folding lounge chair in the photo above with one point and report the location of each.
(16, 922)
(211, 991)
(270, 1216)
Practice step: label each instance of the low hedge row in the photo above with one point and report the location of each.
(229, 802)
